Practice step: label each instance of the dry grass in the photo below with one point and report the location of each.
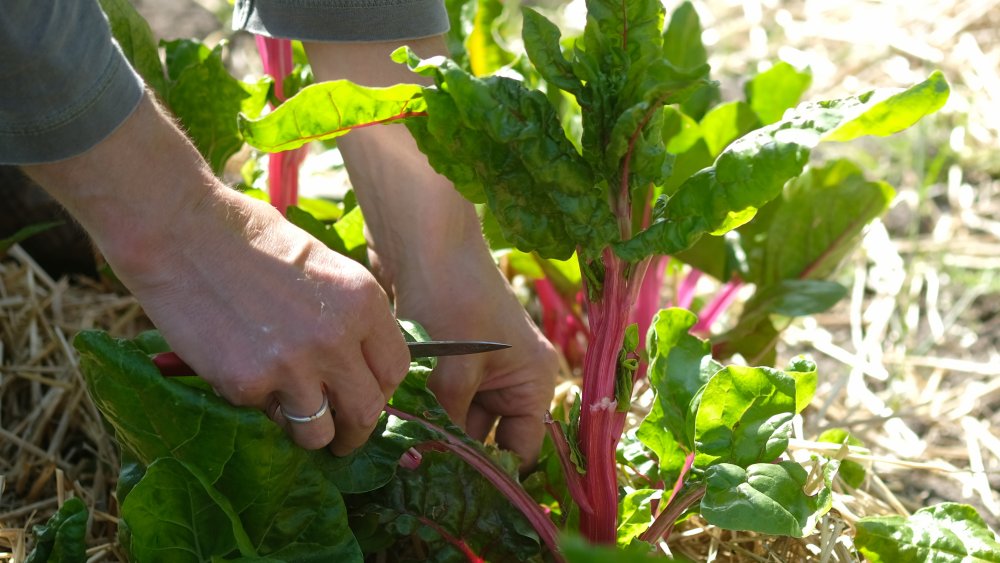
(909, 363)
(53, 442)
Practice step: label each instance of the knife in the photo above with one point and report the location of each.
(171, 365)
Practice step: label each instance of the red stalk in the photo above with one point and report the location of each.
(600, 422)
(283, 167)
(574, 481)
(513, 491)
(716, 306)
(459, 544)
(648, 301)
(685, 291)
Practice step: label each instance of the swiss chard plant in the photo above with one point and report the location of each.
(647, 168)
(610, 196)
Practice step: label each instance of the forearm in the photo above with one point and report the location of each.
(133, 189)
(416, 219)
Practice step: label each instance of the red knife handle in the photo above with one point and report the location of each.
(171, 365)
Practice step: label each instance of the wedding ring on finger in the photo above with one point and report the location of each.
(304, 419)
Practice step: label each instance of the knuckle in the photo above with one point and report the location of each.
(242, 388)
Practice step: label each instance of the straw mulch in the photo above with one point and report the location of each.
(909, 362)
(53, 443)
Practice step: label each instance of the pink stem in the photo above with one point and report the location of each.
(685, 291)
(648, 301)
(459, 544)
(513, 491)
(600, 423)
(717, 306)
(574, 481)
(283, 167)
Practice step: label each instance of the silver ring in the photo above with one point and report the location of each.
(304, 419)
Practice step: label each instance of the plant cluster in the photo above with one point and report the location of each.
(593, 157)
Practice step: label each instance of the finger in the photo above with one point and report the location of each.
(454, 383)
(387, 356)
(480, 421)
(522, 435)
(358, 401)
(300, 403)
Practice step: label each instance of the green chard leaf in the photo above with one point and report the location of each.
(683, 47)
(541, 42)
(745, 416)
(803, 370)
(448, 504)
(636, 514)
(679, 366)
(753, 170)
(795, 242)
(765, 497)
(328, 110)
(814, 224)
(944, 533)
(346, 236)
(852, 472)
(775, 90)
(63, 538)
(134, 36)
(207, 99)
(295, 498)
(172, 512)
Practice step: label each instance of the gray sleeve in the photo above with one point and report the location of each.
(342, 20)
(64, 85)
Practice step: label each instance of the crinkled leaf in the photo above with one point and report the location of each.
(745, 416)
(502, 143)
(944, 533)
(328, 110)
(136, 40)
(63, 538)
(541, 42)
(765, 497)
(635, 514)
(295, 496)
(753, 170)
(173, 513)
(679, 366)
(445, 501)
(775, 90)
(852, 472)
(207, 99)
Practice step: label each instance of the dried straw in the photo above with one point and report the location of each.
(53, 444)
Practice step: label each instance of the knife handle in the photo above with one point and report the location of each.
(171, 365)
